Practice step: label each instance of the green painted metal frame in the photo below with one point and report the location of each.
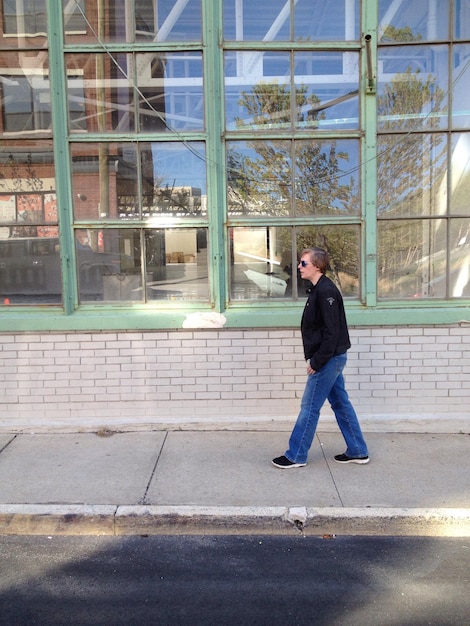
(70, 317)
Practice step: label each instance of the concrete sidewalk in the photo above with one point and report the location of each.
(159, 482)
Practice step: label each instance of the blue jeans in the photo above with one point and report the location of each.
(326, 384)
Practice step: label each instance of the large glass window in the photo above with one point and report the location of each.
(200, 146)
(422, 174)
(300, 167)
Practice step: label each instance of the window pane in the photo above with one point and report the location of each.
(177, 264)
(327, 89)
(462, 19)
(168, 20)
(413, 86)
(30, 271)
(326, 20)
(460, 175)
(264, 20)
(24, 24)
(75, 18)
(261, 263)
(461, 86)
(412, 175)
(109, 265)
(419, 20)
(259, 178)
(127, 181)
(98, 174)
(173, 179)
(412, 259)
(100, 97)
(342, 242)
(159, 20)
(257, 90)
(264, 260)
(170, 91)
(25, 93)
(327, 177)
(460, 258)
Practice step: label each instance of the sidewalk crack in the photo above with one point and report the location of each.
(330, 472)
(8, 443)
(143, 500)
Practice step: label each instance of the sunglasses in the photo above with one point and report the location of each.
(305, 263)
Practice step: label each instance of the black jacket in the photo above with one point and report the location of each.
(324, 328)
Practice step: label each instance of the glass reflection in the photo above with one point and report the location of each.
(327, 177)
(30, 271)
(462, 19)
(257, 90)
(419, 20)
(412, 259)
(327, 89)
(265, 20)
(261, 263)
(413, 86)
(264, 260)
(170, 91)
(261, 180)
(326, 20)
(342, 242)
(280, 20)
(100, 96)
(176, 264)
(25, 93)
(108, 265)
(460, 258)
(131, 265)
(124, 21)
(131, 181)
(412, 175)
(263, 92)
(101, 92)
(460, 175)
(24, 24)
(461, 85)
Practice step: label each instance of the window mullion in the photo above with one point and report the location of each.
(369, 156)
(58, 86)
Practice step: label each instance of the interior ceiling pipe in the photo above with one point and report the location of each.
(370, 70)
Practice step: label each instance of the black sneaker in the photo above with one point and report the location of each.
(344, 458)
(283, 463)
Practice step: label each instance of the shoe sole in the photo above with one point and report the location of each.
(357, 461)
(289, 466)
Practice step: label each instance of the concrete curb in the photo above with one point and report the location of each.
(76, 519)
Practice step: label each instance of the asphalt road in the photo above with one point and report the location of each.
(244, 580)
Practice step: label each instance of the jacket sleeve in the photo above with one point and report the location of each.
(329, 304)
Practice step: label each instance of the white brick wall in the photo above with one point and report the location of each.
(406, 378)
